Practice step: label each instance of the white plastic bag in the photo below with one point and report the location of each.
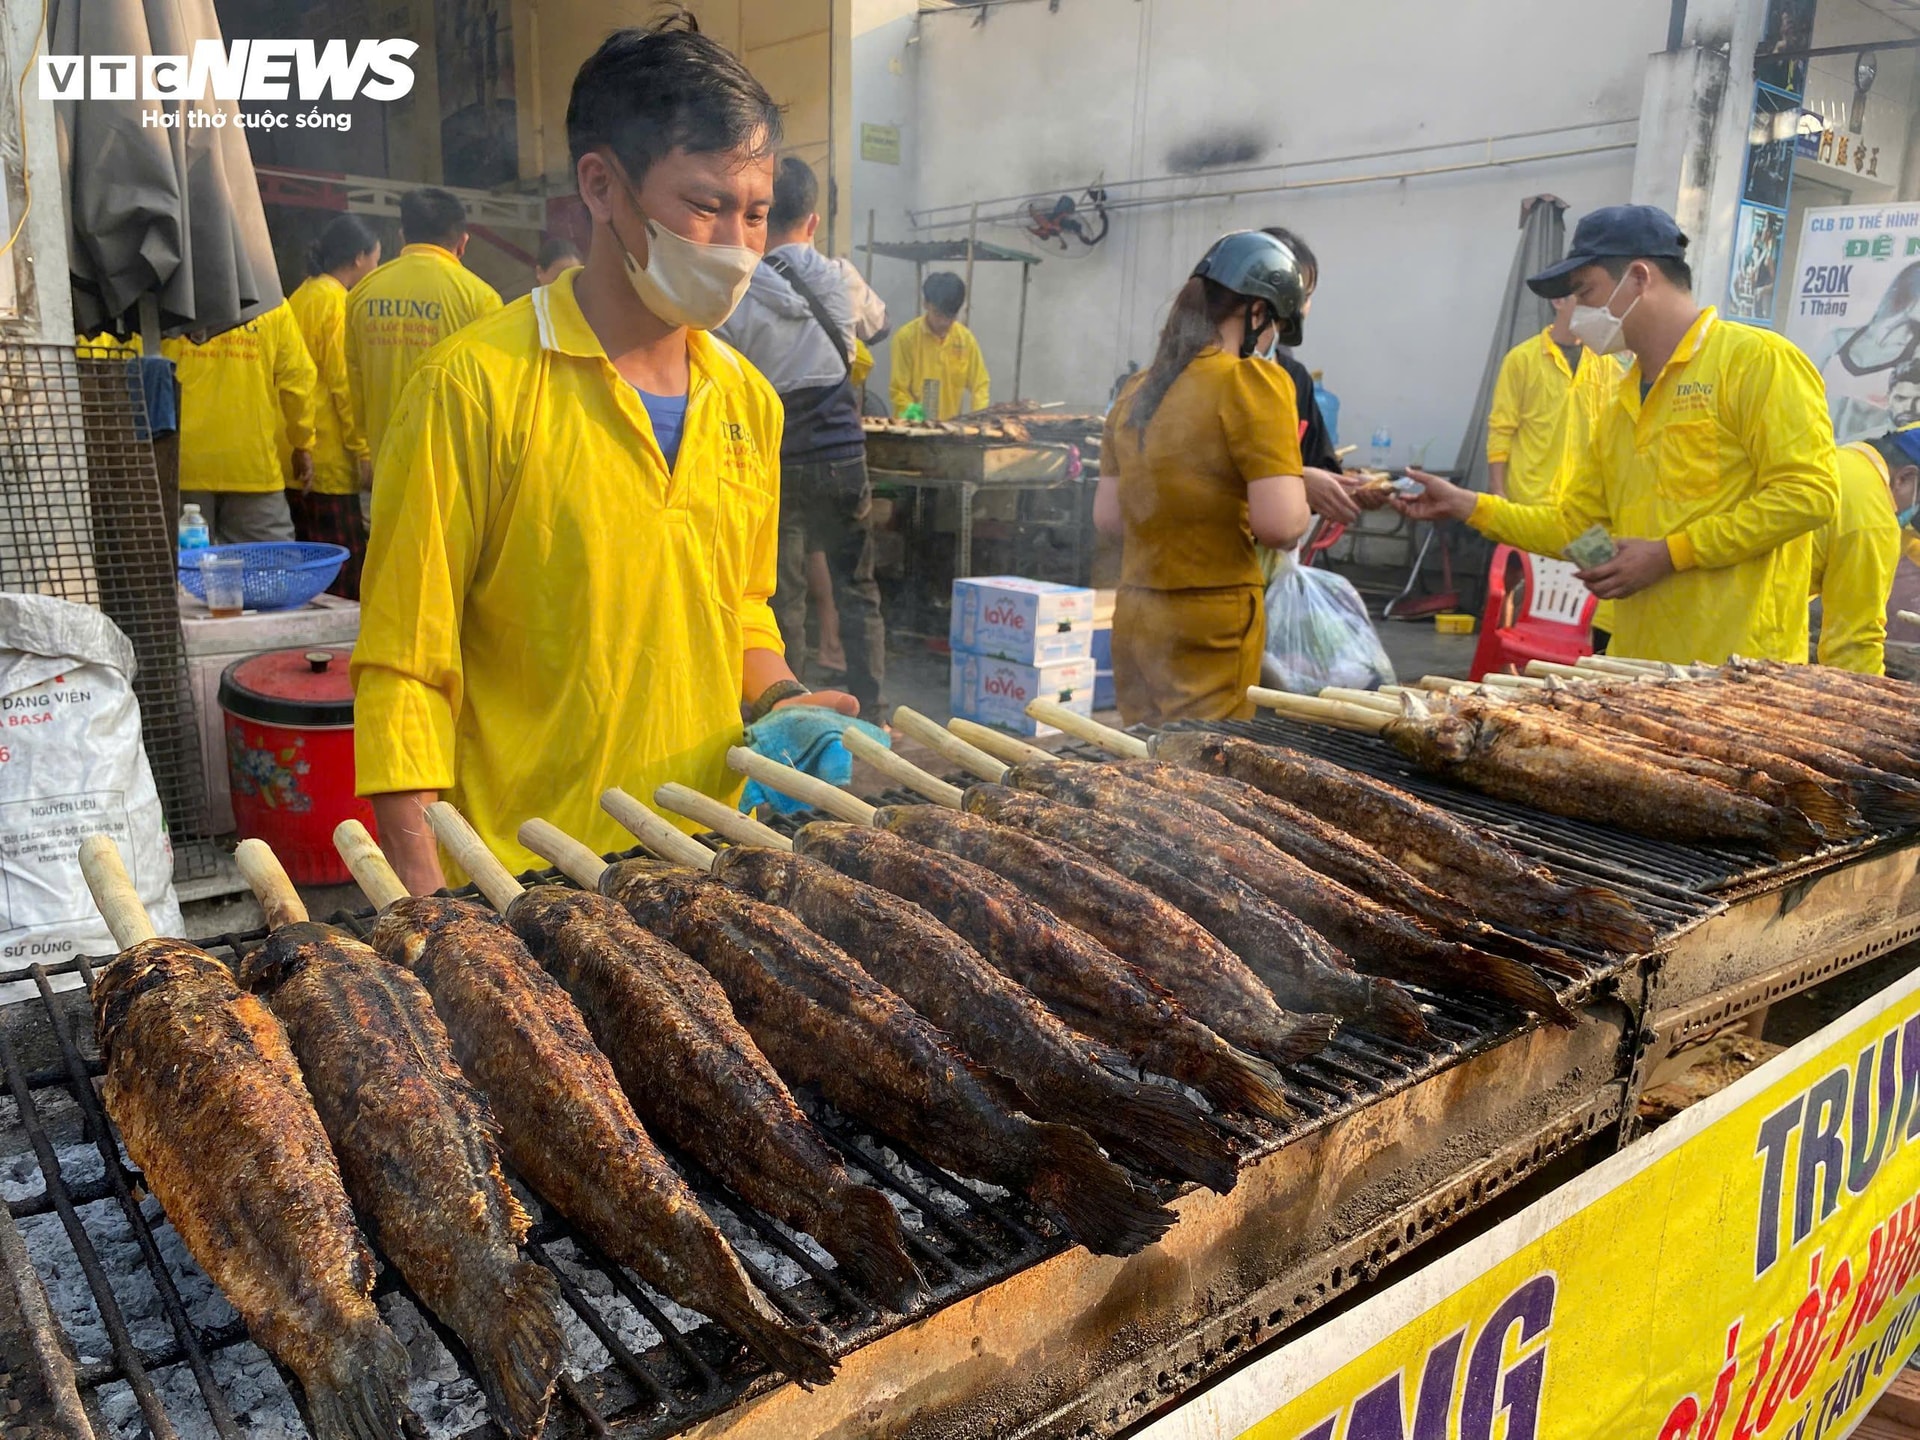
(71, 765)
(1318, 634)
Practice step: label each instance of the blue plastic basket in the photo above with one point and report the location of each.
(279, 575)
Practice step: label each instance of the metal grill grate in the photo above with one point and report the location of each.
(83, 518)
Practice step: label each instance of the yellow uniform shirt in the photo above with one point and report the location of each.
(246, 402)
(1730, 460)
(547, 610)
(1854, 556)
(91, 346)
(320, 307)
(860, 364)
(1533, 400)
(398, 313)
(955, 361)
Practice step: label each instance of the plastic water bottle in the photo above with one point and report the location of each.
(194, 534)
(1380, 449)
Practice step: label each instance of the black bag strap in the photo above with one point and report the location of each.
(784, 269)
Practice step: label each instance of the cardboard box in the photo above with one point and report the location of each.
(990, 691)
(1033, 622)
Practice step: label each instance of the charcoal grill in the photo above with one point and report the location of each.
(1024, 1334)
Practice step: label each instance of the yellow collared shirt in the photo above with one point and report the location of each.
(955, 361)
(320, 308)
(1731, 461)
(395, 316)
(1854, 557)
(246, 403)
(1533, 402)
(548, 610)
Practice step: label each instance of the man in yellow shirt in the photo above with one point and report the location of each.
(1854, 555)
(246, 424)
(1527, 429)
(570, 590)
(326, 508)
(409, 305)
(936, 346)
(1710, 468)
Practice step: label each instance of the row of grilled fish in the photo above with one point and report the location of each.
(1789, 758)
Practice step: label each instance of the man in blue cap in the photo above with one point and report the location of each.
(1709, 469)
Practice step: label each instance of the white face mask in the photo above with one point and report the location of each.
(1598, 328)
(687, 283)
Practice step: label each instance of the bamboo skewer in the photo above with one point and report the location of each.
(1084, 727)
(947, 745)
(803, 787)
(1366, 699)
(371, 869)
(902, 772)
(719, 817)
(653, 832)
(1514, 682)
(470, 852)
(567, 855)
(1908, 616)
(998, 744)
(113, 891)
(1334, 713)
(271, 886)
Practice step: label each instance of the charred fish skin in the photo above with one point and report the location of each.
(1082, 981)
(1209, 980)
(1299, 965)
(1059, 1072)
(824, 1021)
(696, 1077)
(416, 1146)
(1421, 838)
(211, 1105)
(567, 1126)
(1377, 938)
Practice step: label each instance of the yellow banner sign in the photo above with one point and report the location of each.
(1749, 1272)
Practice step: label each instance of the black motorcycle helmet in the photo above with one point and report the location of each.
(1255, 264)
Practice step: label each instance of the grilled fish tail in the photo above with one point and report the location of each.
(1830, 814)
(1796, 835)
(365, 1395)
(870, 1249)
(1163, 1134)
(1600, 916)
(1230, 1078)
(1070, 1179)
(519, 1354)
(1889, 803)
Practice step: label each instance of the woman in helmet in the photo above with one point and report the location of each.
(1201, 459)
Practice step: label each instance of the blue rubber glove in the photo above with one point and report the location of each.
(807, 737)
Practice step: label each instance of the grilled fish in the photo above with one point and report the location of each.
(1874, 701)
(416, 1146)
(1422, 839)
(1377, 938)
(1061, 1074)
(1205, 976)
(568, 1128)
(212, 1108)
(824, 1021)
(696, 1077)
(1082, 981)
(1296, 963)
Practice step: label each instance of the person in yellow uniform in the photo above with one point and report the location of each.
(246, 424)
(935, 346)
(1200, 459)
(409, 305)
(570, 590)
(1527, 429)
(1710, 468)
(557, 253)
(326, 509)
(1856, 553)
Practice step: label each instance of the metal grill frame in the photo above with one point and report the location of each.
(83, 518)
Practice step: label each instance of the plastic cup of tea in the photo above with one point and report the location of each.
(224, 578)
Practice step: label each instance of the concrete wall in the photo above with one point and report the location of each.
(1037, 101)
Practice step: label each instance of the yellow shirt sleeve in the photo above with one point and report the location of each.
(1509, 400)
(356, 385)
(1853, 599)
(295, 377)
(407, 674)
(334, 380)
(1579, 504)
(977, 383)
(1788, 434)
(1261, 417)
(758, 629)
(902, 374)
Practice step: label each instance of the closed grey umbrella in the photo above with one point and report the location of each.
(169, 212)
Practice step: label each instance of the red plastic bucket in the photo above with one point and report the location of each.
(289, 724)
